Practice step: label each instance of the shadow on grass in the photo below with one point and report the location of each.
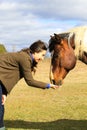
(63, 124)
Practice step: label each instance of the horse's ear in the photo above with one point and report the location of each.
(55, 34)
(57, 37)
(51, 36)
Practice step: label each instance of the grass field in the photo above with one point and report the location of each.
(29, 108)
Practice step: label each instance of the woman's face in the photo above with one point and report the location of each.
(39, 56)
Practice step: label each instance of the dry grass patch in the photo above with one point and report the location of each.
(62, 109)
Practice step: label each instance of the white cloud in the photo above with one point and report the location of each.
(24, 21)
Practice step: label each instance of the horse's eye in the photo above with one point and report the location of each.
(61, 44)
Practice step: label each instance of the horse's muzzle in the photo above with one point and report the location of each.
(59, 83)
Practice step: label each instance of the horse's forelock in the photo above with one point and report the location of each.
(54, 40)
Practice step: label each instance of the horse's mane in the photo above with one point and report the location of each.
(56, 39)
(80, 40)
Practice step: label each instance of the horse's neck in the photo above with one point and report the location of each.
(81, 53)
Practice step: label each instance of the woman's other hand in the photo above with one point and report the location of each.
(3, 99)
(54, 86)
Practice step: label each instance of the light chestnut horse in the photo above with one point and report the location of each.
(63, 58)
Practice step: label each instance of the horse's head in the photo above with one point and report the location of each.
(63, 58)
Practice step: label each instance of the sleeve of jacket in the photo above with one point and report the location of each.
(25, 63)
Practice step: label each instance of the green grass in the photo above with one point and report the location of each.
(36, 109)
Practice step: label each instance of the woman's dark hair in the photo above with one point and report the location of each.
(38, 46)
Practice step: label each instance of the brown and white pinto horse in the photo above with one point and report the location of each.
(63, 58)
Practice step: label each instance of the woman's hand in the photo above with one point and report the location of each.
(54, 86)
(3, 99)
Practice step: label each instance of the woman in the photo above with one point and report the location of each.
(17, 65)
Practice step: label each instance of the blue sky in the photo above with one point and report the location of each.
(24, 21)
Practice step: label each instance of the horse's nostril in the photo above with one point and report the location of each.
(52, 81)
(59, 83)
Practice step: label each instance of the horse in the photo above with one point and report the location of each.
(63, 58)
